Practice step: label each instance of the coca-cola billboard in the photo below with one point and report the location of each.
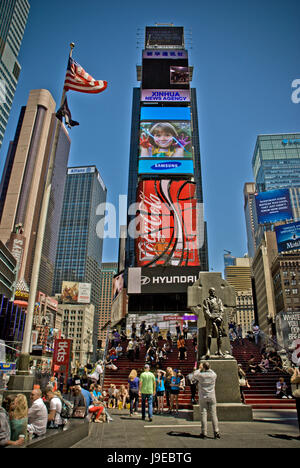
(167, 232)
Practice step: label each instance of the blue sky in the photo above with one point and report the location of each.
(245, 56)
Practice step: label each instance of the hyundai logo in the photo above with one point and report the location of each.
(145, 280)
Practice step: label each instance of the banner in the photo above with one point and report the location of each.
(288, 330)
(273, 206)
(288, 237)
(75, 293)
(61, 357)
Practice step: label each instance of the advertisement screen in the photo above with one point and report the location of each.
(75, 293)
(157, 73)
(165, 133)
(118, 284)
(167, 224)
(164, 36)
(288, 237)
(179, 75)
(288, 332)
(273, 206)
(161, 280)
(165, 139)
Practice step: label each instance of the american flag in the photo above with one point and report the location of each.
(77, 79)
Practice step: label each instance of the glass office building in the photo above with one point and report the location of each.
(79, 250)
(276, 161)
(13, 19)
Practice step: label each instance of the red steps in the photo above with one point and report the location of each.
(120, 377)
(262, 394)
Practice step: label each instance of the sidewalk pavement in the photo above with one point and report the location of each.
(269, 429)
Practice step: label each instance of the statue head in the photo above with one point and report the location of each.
(212, 292)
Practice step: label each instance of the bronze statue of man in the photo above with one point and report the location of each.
(213, 313)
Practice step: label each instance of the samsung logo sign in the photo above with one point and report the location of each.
(166, 166)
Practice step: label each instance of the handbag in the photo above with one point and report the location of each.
(242, 382)
(79, 412)
(296, 393)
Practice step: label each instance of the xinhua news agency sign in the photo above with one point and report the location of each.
(170, 95)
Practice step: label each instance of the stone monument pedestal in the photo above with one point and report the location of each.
(229, 406)
(228, 395)
(23, 381)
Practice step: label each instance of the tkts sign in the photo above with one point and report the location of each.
(62, 350)
(167, 224)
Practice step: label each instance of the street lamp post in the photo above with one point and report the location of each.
(23, 380)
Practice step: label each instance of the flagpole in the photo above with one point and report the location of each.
(23, 366)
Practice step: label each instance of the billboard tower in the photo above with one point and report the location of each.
(169, 245)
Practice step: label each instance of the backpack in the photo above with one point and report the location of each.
(66, 409)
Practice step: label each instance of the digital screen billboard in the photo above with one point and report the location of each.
(273, 206)
(164, 36)
(179, 75)
(167, 224)
(160, 167)
(165, 133)
(288, 237)
(158, 74)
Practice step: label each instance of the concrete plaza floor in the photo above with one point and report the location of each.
(269, 429)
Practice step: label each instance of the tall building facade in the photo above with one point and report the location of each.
(80, 244)
(108, 271)
(276, 161)
(239, 275)
(13, 19)
(23, 182)
(165, 180)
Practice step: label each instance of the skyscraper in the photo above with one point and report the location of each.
(13, 19)
(276, 161)
(276, 166)
(108, 271)
(22, 186)
(165, 180)
(79, 250)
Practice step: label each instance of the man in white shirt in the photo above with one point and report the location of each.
(37, 414)
(54, 417)
(97, 372)
(206, 379)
